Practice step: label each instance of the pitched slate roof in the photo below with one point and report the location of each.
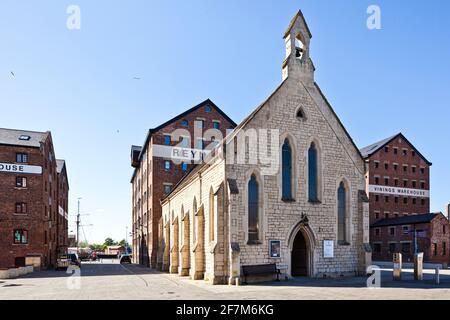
(373, 148)
(11, 137)
(411, 219)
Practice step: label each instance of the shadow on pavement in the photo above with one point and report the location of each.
(387, 281)
(96, 269)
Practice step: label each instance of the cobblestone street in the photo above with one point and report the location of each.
(109, 281)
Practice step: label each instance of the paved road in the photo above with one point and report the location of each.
(107, 281)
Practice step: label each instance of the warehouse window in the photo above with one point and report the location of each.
(24, 138)
(392, 247)
(184, 167)
(392, 231)
(21, 182)
(21, 207)
(20, 236)
(286, 171)
(21, 157)
(405, 230)
(167, 165)
(444, 248)
(167, 188)
(253, 209)
(167, 140)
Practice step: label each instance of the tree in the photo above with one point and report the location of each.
(96, 247)
(123, 243)
(83, 244)
(109, 242)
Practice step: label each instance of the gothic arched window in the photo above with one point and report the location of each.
(342, 213)
(312, 173)
(253, 210)
(286, 160)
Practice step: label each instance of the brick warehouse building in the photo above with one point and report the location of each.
(30, 197)
(154, 176)
(63, 207)
(398, 183)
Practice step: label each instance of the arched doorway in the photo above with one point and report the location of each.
(300, 256)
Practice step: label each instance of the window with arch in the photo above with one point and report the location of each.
(286, 170)
(253, 209)
(313, 175)
(211, 215)
(342, 213)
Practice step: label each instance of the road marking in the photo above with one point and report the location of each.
(145, 281)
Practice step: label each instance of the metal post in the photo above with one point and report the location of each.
(78, 223)
(415, 240)
(436, 272)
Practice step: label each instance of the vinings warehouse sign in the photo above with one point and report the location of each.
(406, 192)
(20, 168)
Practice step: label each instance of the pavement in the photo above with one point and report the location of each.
(110, 280)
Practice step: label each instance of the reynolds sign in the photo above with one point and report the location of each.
(20, 168)
(406, 192)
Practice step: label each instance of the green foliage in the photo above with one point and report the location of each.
(109, 242)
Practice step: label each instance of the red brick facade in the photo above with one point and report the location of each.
(150, 176)
(29, 213)
(63, 208)
(396, 164)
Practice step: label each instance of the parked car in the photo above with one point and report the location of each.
(66, 260)
(125, 258)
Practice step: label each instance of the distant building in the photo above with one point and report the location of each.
(428, 232)
(29, 199)
(398, 183)
(155, 175)
(117, 250)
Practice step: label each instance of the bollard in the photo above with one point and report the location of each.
(436, 273)
(418, 266)
(397, 270)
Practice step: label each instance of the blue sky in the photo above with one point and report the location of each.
(79, 83)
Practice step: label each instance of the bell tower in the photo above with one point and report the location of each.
(297, 63)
